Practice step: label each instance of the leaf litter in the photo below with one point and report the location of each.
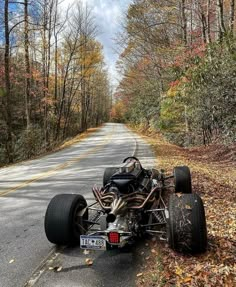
(215, 182)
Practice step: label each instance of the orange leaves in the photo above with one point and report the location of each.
(142, 64)
(178, 271)
(49, 101)
(174, 83)
(182, 271)
(90, 55)
(36, 75)
(182, 277)
(217, 266)
(127, 50)
(177, 87)
(118, 111)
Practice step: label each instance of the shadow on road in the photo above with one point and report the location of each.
(116, 267)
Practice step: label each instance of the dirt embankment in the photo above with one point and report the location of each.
(214, 179)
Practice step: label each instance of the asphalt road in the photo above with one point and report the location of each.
(26, 257)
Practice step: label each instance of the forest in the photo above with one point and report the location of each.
(53, 80)
(179, 64)
(177, 61)
(176, 89)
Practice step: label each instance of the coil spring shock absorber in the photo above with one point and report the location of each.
(159, 216)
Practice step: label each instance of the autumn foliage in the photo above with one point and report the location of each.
(178, 64)
(53, 81)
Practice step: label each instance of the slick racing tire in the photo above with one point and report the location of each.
(186, 226)
(182, 179)
(108, 173)
(64, 219)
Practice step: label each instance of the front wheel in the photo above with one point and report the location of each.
(182, 179)
(64, 219)
(186, 227)
(108, 173)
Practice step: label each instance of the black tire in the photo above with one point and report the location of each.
(186, 227)
(182, 179)
(64, 219)
(108, 173)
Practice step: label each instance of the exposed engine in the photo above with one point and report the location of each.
(125, 195)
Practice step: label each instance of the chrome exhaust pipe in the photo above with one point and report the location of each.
(118, 206)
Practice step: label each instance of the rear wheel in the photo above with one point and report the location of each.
(182, 179)
(186, 228)
(64, 219)
(108, 173)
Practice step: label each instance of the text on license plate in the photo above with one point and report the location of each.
(92, 242)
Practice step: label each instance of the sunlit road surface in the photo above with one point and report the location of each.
(25, 191)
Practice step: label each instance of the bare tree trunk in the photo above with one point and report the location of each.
(27, 66)
(57, 28)
(220, 6)
(204, 27)
(232, 16)
(203, 20)
(208, 21)
(184, 21)
(55, 60)
(48, 37)
(44, 63)
(63, 97)
(83, 88)
(7, 102)
(191, 23)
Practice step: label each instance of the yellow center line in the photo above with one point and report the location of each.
(59, 167)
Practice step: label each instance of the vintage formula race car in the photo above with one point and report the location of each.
(132, 202)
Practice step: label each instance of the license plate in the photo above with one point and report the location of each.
(92, 242)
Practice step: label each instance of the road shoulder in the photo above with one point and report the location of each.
(215, 182)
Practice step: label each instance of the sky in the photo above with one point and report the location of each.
(108, 16)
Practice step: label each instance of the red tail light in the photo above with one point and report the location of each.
(114, 237)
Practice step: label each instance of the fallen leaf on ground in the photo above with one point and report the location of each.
(89, 261)
(178, 271)
(187, 279)
(215, 181)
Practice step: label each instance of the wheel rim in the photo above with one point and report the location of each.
(78, 226)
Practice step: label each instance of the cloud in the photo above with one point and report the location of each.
(108, 16)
